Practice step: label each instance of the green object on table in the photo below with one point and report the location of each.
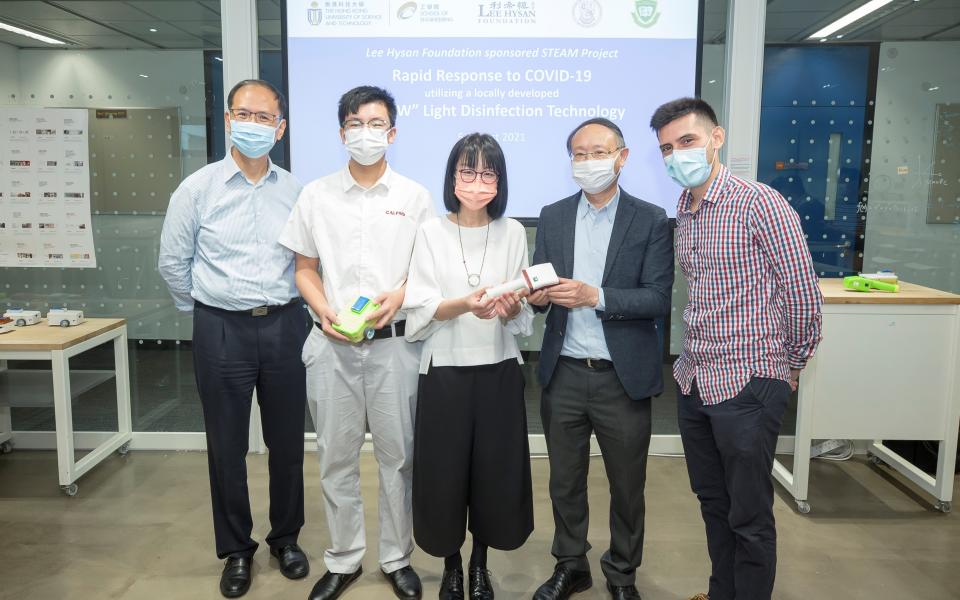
(862, 284)
(353, 321)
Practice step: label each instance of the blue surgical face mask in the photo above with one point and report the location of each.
(689, 167)
(253, 140)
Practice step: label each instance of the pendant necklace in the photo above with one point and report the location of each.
(473, 279)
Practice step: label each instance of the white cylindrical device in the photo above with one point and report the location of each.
(532, 278)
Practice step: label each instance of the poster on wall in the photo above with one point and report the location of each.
(45, 189)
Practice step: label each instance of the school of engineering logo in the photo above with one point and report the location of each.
(645, 13)
(407, 10)
(314, 14)
(587, 13)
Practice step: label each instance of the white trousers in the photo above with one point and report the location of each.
(348, 387)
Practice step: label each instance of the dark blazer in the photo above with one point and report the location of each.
(637, 282)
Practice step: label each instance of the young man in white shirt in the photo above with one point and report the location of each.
(357, 227)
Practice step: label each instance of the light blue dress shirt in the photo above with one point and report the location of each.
(219, 241)
(584, 336)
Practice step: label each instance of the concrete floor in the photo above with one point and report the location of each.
(140, 528)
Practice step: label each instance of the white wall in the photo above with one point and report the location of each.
(112, 79)
(9, 74)
(898, 236)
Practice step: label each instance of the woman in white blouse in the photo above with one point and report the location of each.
(471, 456)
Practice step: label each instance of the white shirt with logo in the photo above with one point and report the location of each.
(363, 237)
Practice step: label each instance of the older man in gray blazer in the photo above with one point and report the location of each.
(601, 360)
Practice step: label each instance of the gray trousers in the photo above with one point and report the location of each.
(580, 401)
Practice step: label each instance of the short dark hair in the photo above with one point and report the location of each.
(281, 99)
(597, 121)
(365, 94)
(681, 107)
(471, 151)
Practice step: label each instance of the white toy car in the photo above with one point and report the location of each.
(64, 317)
(22, 318)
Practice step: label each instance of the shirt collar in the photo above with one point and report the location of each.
(348, 182)
(609, 210)
(716, 193)
(231, 169)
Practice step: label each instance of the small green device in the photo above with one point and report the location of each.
(354, 323)
(863, 284)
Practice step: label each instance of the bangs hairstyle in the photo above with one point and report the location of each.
(470, 152)
(351, 102)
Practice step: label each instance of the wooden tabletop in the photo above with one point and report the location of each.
(44, 337)
(910, 293)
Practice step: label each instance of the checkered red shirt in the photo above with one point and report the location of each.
(754, 307)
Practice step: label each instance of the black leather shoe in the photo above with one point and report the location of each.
(480, 588)
(293, 562)
(451, 586)
(332, 585)
(623, 592)
(564, 583)
(236, 576)
(405, 583)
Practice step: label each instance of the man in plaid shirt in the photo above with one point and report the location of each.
(753, 321)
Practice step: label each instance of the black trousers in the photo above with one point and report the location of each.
(233, 354)
(471, 457)
(729, 449)
(580, 401)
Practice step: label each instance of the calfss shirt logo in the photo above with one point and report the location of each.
(314, 14)
(645, 13)
(586, 13)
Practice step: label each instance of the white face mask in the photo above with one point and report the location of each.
(365, 145)
(595, 175)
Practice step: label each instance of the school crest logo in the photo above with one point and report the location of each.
(645, 13)
(314, 14)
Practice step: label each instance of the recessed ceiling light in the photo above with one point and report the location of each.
(849, 18)
(153, 30)
(29, 34)
(144, 76)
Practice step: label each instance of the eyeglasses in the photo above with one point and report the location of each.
(598, 155)
(470, 175)
(263, 118)
(377, 124)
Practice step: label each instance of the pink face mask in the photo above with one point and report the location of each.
(475, 195)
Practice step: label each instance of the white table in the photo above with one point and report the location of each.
(888, 368)
(58, 345)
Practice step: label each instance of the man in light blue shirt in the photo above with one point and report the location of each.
(601, 361)
(220, 257)
(584, 338)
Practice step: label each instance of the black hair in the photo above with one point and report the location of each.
(351, 102)
(597, 121)
(281, 99)
(681, 107)
(471, 151)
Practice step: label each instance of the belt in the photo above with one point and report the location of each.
(395, 329)
(258, 311)
(595, 364)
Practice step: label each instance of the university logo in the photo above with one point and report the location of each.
(314, 13)
(587, 13)
(407, 10)
(645, 13)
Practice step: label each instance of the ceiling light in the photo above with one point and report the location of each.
(144, 76)
(153, 30)
(29, 34)
(850, 18)
(217, 58)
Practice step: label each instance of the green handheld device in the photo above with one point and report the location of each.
(353, 320)
(862, 284)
